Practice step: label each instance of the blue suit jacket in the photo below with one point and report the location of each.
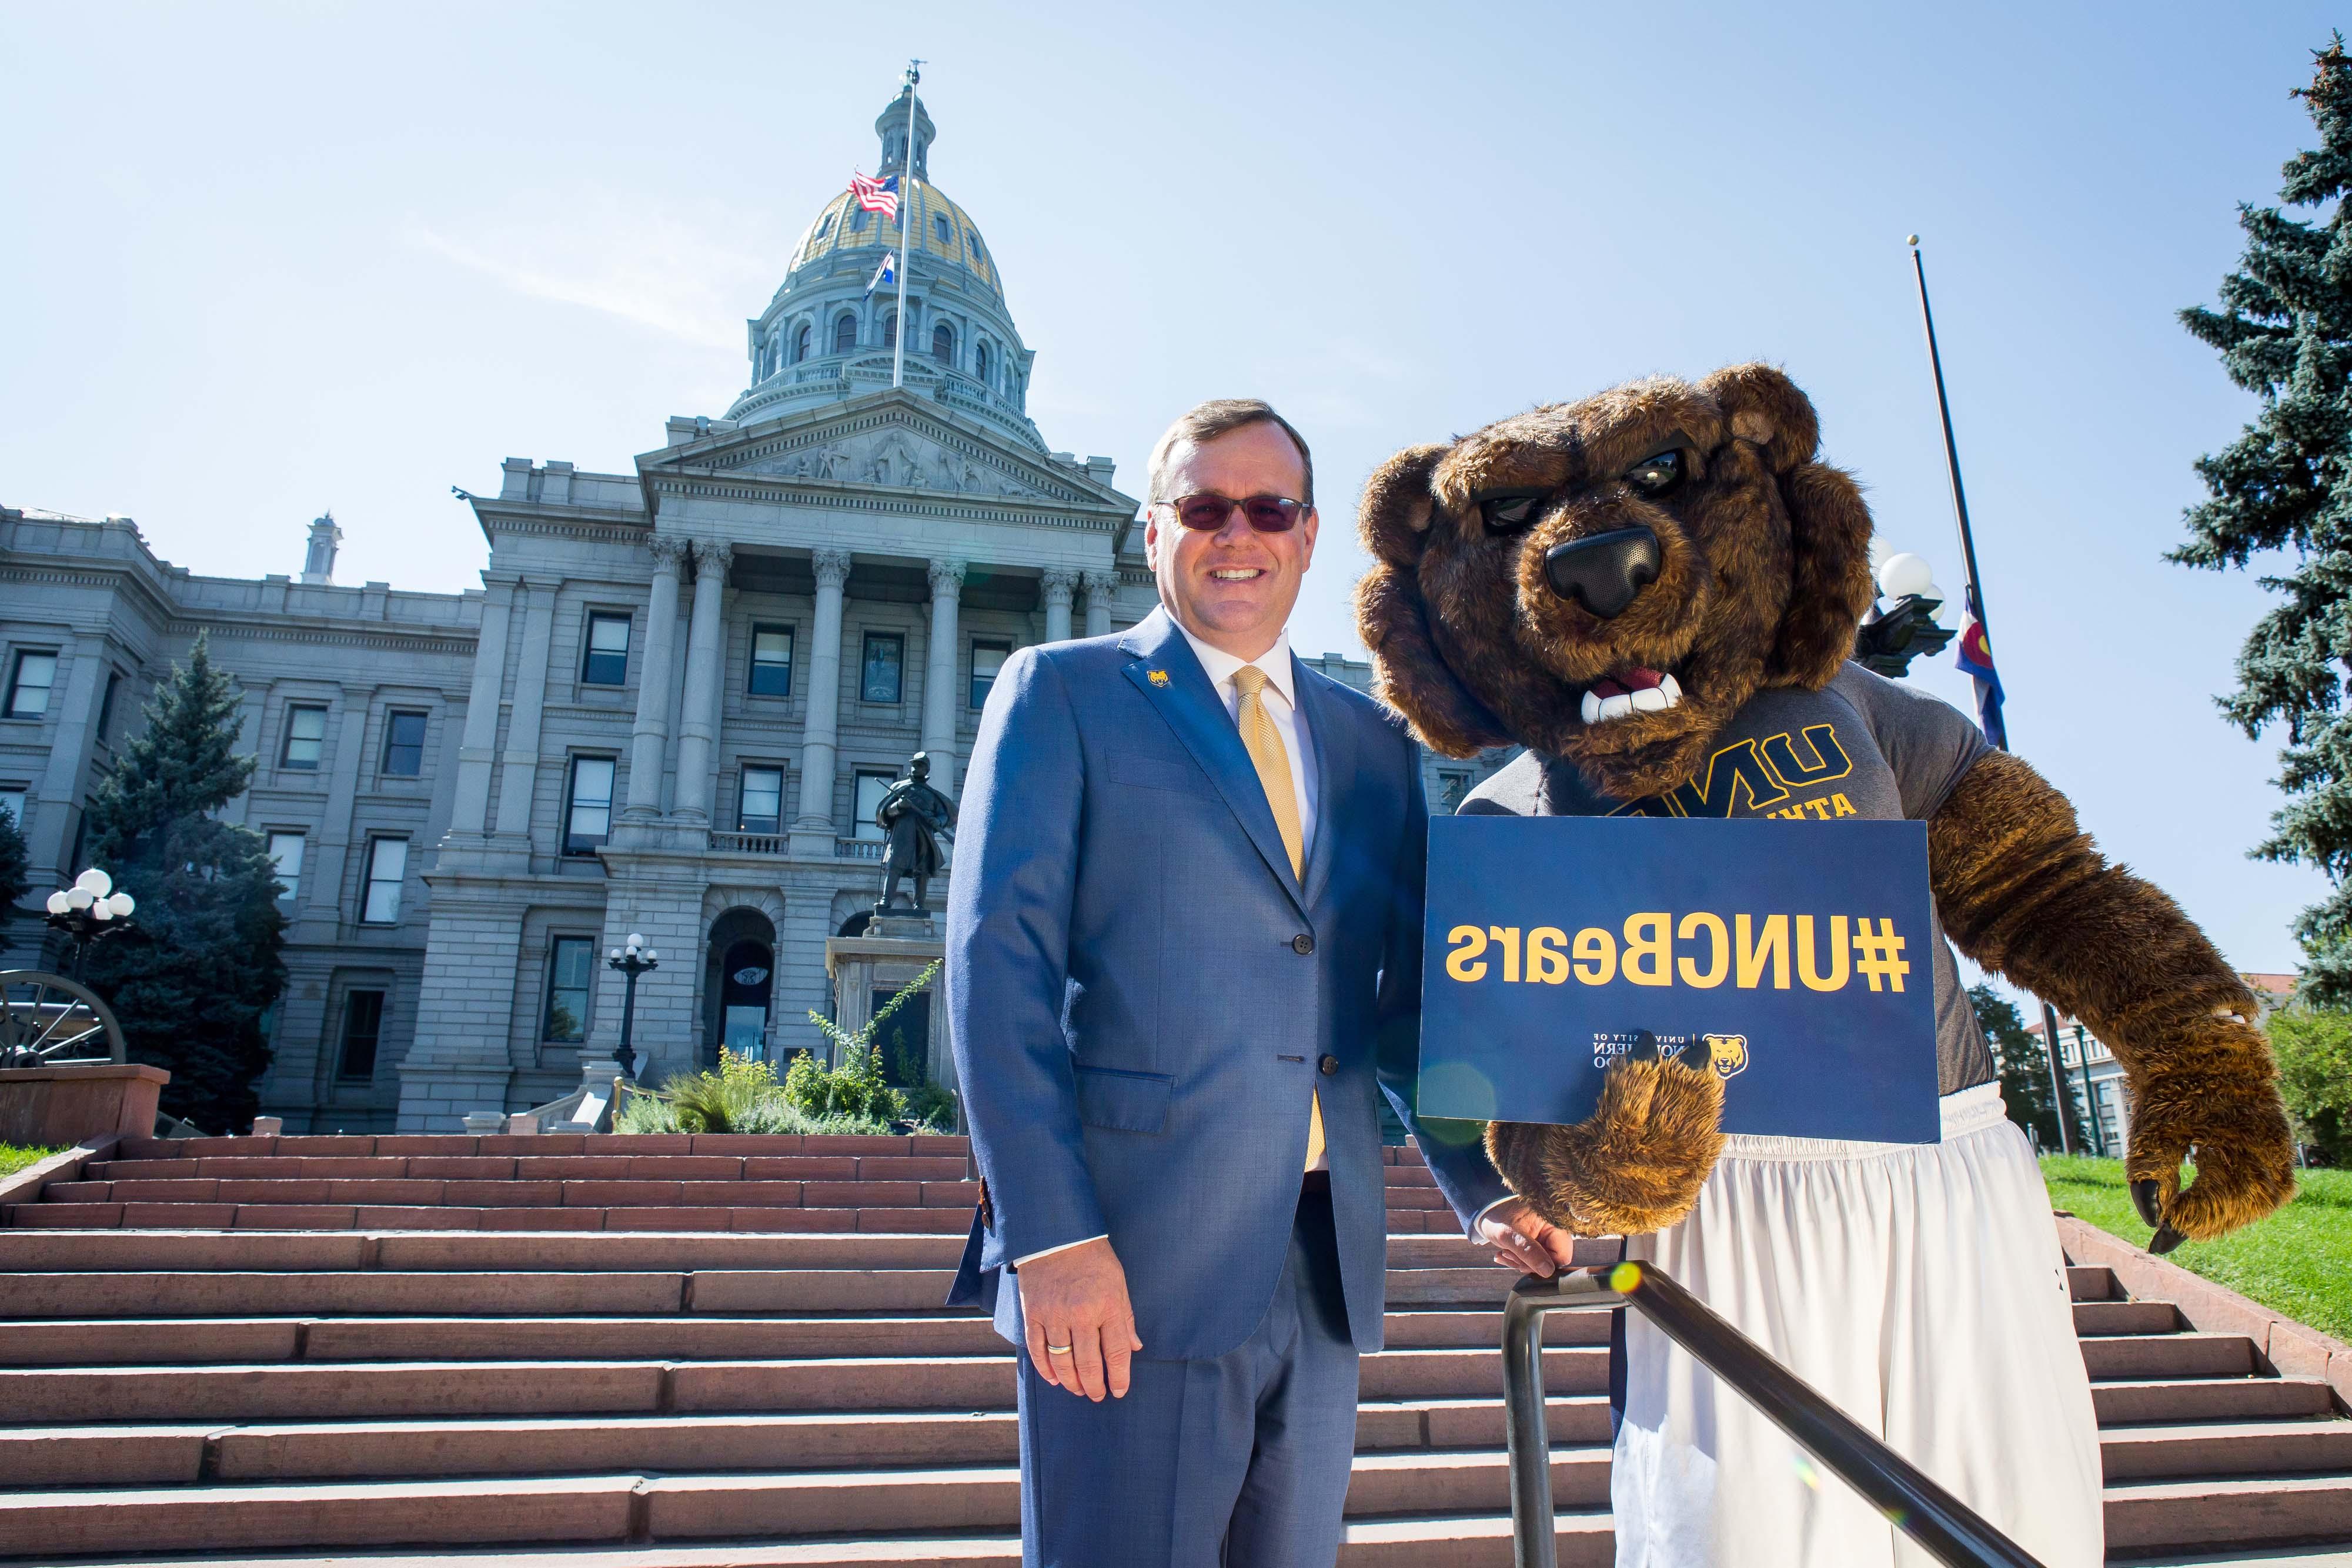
(1141, 994)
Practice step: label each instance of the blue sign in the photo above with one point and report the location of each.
(1794, 961)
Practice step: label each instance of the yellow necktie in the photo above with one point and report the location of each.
(1262, 741)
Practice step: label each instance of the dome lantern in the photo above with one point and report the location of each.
(891, 126)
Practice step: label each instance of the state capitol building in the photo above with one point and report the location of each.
(670, 709)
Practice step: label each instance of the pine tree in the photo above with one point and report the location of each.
(2024, 1069)
(192, 977)
(2284, 333)
(16, 863)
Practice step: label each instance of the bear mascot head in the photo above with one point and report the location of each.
(1609, 583)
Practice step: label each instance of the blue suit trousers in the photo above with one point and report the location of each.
(1256, 1443)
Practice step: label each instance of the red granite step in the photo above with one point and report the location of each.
(665, 1507)
(1447, 1540)
(89, 1343)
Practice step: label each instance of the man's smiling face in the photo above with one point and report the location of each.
(1232, 588)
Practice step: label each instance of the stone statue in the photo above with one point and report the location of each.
(916, 817)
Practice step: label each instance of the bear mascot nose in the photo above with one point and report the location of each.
(1603, 572)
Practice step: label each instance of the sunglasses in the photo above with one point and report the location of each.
(1206, 512)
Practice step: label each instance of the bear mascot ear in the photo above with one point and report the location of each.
(1392, 617)
(1830, 585)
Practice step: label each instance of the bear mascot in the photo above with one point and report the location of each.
(1655, 592)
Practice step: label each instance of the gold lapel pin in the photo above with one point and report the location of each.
(1156, 678)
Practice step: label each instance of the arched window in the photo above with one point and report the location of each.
(801, 344)
(939, 227)
(845, 334)
(890, 330)
(980, 362)
(857, 220)
(943, 344)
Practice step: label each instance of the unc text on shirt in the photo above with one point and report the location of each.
(1747, 951)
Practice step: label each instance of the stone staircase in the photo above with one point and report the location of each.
(730, 1351)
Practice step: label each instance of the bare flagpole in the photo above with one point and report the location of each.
(905, 216)
(2059, 1092)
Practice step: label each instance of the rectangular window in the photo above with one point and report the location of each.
(762, 808)
(886, 652)
(772, 660)
(106, 704)
(987, 658)
(570, 969)
(607, 663)
(403, 744)
(1452, 788)
(29, 683)
(588, 822)
(306, 738)
(12, 802)
(286, 856)
(871, 787)
(363, 1028)
(387, 867)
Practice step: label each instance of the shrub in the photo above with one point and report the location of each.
(2314, 1047)
(858, 1086)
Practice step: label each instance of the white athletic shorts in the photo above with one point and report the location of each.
(1921, 1288)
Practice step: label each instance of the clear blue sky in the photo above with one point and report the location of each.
(267, 259)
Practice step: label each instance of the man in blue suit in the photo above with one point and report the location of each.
(1183, 952)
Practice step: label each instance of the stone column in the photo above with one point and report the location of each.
(326, 858)
(79, 687)
(649, 739)
(697, 721)
(1100, 586)
(518, 772)
(938, 677)
(1056, 587)
(478, 748)
(812, 829)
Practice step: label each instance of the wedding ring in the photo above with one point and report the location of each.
(1057, 1350)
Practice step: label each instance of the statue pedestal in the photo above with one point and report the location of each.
(867, 970)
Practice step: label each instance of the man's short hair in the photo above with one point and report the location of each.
(1219, 417)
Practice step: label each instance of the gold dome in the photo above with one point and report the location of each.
(938, 233)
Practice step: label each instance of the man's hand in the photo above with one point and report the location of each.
(1523, 1239)
(1081, 1328)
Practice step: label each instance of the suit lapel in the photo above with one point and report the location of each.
(1335, 765)
(1172, 681)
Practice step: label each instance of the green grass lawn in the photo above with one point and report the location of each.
(2298, 1261)
(13, 1159)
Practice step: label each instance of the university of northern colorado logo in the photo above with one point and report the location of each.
(1727, 1054)
(1763, 779)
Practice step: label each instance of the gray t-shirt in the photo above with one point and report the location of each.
(1866, 747)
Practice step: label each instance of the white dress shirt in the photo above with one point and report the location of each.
(1281, 699)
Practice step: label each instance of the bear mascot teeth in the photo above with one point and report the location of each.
(1647, 589)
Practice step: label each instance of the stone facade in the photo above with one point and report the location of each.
(665, 714)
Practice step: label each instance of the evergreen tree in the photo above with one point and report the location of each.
(200, 964)
(16, 863)
(2284, 333)
(2024, 1068)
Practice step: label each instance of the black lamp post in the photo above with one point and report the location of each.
(89, 910)
(638, 959)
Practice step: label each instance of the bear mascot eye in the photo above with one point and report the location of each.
(1511, 511)
(1657, 475)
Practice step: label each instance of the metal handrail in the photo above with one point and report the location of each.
(1945, 1528)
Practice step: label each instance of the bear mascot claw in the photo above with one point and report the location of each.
(1645, 589)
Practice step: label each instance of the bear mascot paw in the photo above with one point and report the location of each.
(1634, 1165)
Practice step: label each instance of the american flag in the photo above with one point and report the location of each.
(876, 196)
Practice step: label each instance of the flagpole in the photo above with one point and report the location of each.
(906, 215)
(1975, 604)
